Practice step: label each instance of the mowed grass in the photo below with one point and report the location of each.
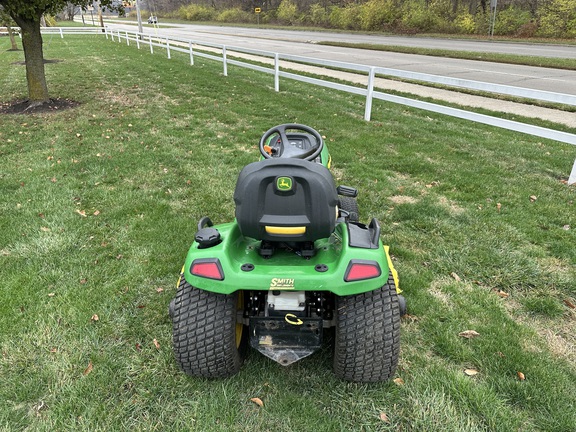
(99, 204)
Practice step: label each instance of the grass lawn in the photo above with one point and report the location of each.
(99, 204)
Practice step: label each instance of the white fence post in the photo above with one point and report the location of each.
(369, 95)
(137, 40)
(119, 37)
(168, 48)
(106, 32)
(191, 53)
(150, 40)
(224, 60)
(276, 72)
(572, 178)
(127, 39)
(61, 34)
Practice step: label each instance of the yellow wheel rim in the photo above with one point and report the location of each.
(239, 326)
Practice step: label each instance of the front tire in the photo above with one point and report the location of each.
(367, 337)
(350, 205)
(208, 342)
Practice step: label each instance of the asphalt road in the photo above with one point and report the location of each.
(304, 43)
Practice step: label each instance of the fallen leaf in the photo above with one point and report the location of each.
(95, 318)
(398, 381)
(455, 276)
(384, 417)
(498, 206)
(138, 347)
(96, 213)
(471, 372)
(81, 212)
(257, 401)
(469, 334)
(53, 180)
(521, 376)
(83, 281)
(533, 198)
(159, 290)
(566, 227)
(45, 229)
(88, 369)
(51, 294)
(503, 294)
(569, 304)
(156, 344)
(54, 350)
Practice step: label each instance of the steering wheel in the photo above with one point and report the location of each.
(287, 150)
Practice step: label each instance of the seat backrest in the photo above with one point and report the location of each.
(286, 200)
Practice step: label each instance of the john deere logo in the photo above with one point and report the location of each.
(284, 184)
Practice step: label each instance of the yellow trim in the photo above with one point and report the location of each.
(392, 269)
(285, 230)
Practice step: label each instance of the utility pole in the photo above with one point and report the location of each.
(139, 16)
(493, 6)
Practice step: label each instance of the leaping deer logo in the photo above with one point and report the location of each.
(284, 183)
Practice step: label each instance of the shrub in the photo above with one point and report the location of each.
(378, 14)
(510, 20)
(465, 23)
(557, 19)
(318, 15)
(418, 16)
(194, 12)
(287, 12)
(345, 18)
(235, 15)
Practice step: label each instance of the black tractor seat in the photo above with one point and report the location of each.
(286, 200)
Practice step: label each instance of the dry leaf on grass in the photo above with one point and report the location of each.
(398, 381)
(156, 344)
(569, 304)
(257, 401)
(88, 368)
(469, 334)
(521, 376)
(95, 318)
(471, 372)
(384, 417)
(455, 276)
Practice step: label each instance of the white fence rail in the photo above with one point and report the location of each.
(220, 53)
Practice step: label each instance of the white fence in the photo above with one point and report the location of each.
(222, 53)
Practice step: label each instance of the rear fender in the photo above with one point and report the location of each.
(245, 269)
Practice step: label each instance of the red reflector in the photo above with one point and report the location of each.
(360, 270)
(208, 268)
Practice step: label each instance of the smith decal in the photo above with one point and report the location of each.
(282, 283)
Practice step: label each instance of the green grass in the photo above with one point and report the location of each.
(99, 205)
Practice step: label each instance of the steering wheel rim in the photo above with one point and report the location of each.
(281, 131)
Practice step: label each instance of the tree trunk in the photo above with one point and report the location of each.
(12, 39)
(34, 56)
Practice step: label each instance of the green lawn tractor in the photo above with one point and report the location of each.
(295, 263)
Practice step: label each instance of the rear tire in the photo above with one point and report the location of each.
(208, 342)
(367, 336)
